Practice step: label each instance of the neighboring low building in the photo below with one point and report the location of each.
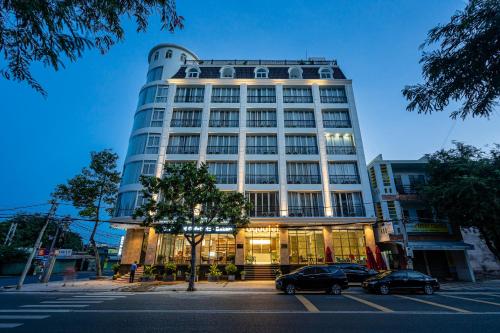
(435, 246)
(483, 262)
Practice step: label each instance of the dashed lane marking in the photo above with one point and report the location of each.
(84, 299)
(98, 296)
(54, 306)
(371, 304)
(71, 302)
(10, 325)
(25, 317)
(307, 304)
(33, 310)
(473, 300)
(435, 304)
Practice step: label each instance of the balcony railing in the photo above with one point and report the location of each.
(185, 123)
(344, 179)
(225, 179)
(225, 99)
(265, 150)
(333, 99)
(300, 123)
(182, 150)
(303, 179)
(345, 210)
(408, 189)
(341, 150)
(301, 150)
(261, 99)
(223, 123)
(222, 150)
(272, 211)
(301, 211)
(261, 123)
(188, 99)
(261, 179)
(297, 99)
(337, 123)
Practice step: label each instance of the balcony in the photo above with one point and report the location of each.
(344, 179)
(303, 179)
(261, 123)
(185, 123)
(261, 179)
(333, 99)
(337, 123)
(305, 211)
(341, 150)
(182, 150)
(222, 150)
(261, 99)
(297, 99)
(223, 123)
(225, 99)
(225, 179)
(300, 123)
(188, 99)
(273, 211)
(407, 189)
(301, 150)
(264, 150)
(346, 210)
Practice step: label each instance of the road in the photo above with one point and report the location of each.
(12, 280)
(353, 311)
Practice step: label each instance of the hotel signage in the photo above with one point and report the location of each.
(167, 229)
(431, 227)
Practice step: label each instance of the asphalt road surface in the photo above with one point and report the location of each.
(12, 280)
(353, 311)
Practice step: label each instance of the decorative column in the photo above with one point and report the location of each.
(283, 244)
(152, 244)
(281, 151)
(205, 118)
(369, 237)
(242, 138)
(240, 251)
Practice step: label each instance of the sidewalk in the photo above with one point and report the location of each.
(479, 286)
(76, 286)
(223, 286)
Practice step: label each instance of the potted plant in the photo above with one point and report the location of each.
(278, 272)
(169, 274)
(116, 276)
(148, 274)
(242, 274)
(115, 268)
(214, 273)
(231, 270)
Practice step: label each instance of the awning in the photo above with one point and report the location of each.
(450, 246)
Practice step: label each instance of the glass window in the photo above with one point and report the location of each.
(222, 144)
(154, 74)
(295, 73)
(299, 118)
(148, 118)
(349, 246)
(147, 143)
(224, 172)
(186, 118)
(156, 55)
(261, 95)
(305, 204)
(343, 173)
(261, 118)
(262, 144)
(297, 95)
(261, 73)
(261, 173)
(193, 73)
(301, 144)
(325, 73)
(125, 203)
(227, 72)
(189, 94)
(226, 95)
(333, 94)
(347, 204)
(265, 204)
(303, 173)
(339, 144)
(153, 94)
(168, 54)
(183, 144)
(173, 248)
(306, 247)
(336, 119)
(183, 57)
(218, 249)
(224, 118)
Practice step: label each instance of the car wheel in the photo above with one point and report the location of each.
(335, 290)
(290, 289)
(428, 290)
(383, 289)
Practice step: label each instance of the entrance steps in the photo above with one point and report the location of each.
(138, 274)
(260, 272)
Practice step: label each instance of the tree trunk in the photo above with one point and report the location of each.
(192, 242)
(98, 270)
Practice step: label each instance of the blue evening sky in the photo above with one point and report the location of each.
(91, 103)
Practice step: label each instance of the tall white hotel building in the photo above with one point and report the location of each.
(284, 132)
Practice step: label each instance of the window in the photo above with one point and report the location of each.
(147, 143)
(262, 144)
(153, 94)
(183, 57)
(224, 172)
(153, 144)
(148, 118)
(183, 144)
(222, 144)
(149, 168)
(154, 74)
(261, 95)
(156, 55)
(332, 94)
(131, 173)
(193, 72)
(305, 204)
(227, 72)
(174, 164)
(219, 249)
(391, 207)
(325, 73)
(385, 175)
(343, 173)
(261, 73)
(349, 246)
(168, 54)
(224, 118)
(173, 248)
(295, 73)
(261, 173)
(340, 144)
(125, 203)
(347, 204)
(297, 95)
(264, 204)
(226, 95)
(186, 118)
(161, 94)
(301, 144)
(299, 118)
(189, 94)
(303, 173)
(336, 119)
(306, 247)
(261, 118)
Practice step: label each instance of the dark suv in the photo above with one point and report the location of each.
(355, 272)
(328, 278)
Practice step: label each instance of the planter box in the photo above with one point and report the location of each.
(147, 278)
(213, 278)
(171, 277)
(231, 277)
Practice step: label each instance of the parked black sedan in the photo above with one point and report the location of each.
(328, 278)
(355, 272)
(402, 280)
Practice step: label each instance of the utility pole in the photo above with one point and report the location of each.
(408, 251)
(10, 234)
(50, 214)
(61, 227)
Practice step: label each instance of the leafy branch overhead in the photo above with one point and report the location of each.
(464, 67)
(51, 31)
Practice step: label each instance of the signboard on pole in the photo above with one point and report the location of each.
(64, 252)
(422, 227)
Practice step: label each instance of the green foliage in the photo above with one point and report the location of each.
(231, 269)
(115, 268)
(464, 186)
(149, 270)
(214, 271)
(50, 31)
(170, 267)
(11, 254)
(465, 67)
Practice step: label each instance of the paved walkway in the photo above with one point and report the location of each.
(486, 285)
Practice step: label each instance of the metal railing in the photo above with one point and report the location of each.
(188, 99)
(301, 211)
(261, 123)
(257, 211)
(225, 99)
(225, 179)
(297, 99)
(182, 150)
(303, 179)
(265, 150)
(223, 123)
(346, 210)
(251, 62)
(222, 149)
(337, 123)
(300, 123)
(333, 99)
(344, 179)
(185, 123)
(261, 99)
(261, 179)
(301, 150)
(341, 150)
(408, 189)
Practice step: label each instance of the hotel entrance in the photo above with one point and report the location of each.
(262, 246)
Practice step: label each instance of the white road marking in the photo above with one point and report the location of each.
(473, 300)
(373, 305)
(10, 325)
(71, 302)
(54, 306)
(307, 304)
(84, 299)
(26, 317)
(435, 304)
(101, 296)
(32, 310)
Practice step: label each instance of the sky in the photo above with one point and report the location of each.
(90, 103)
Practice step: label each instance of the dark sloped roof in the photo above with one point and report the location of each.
(210, 72)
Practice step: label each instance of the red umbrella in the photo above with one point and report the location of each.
(370, 259)
(328, 254)
(380, 260)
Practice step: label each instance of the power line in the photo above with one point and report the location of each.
(23, 207)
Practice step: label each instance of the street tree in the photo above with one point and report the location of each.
(464, 186)
(463, 65)
(92, 191)
(187, 201)
(52, 31)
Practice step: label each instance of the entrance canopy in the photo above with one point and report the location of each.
(450, 246)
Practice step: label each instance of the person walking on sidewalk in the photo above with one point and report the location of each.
(133, 268)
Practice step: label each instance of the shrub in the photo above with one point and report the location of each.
(10, 254)
(115, 268)
(214, 270)
(231, 269)
(148, 270)
(170, 268)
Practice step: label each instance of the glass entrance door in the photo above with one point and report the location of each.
(261, 246)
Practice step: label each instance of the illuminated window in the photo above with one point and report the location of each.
(349, 246)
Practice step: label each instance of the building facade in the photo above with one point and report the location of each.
(285, 133)
(406, 223)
